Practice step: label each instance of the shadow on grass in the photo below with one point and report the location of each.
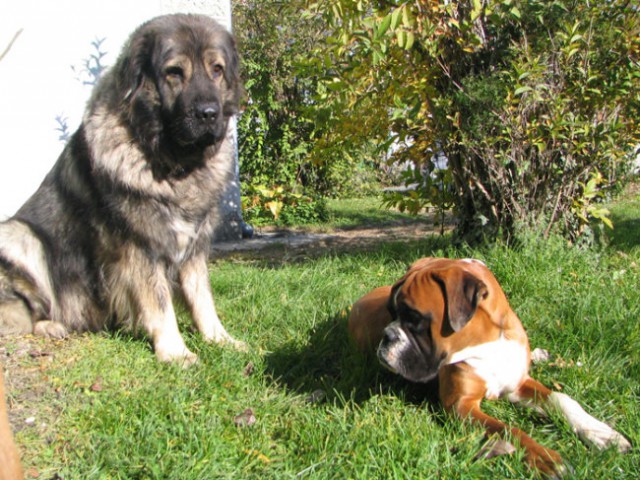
(328, 362)
(626, 233)
(381, 218)
(398, 250)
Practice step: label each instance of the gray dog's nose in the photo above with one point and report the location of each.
(207, 112)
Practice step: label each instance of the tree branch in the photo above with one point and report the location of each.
(6, 50)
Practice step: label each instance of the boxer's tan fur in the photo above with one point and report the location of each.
(451, 319)
(10, 468)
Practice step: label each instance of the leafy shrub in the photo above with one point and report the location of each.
(276, 127)
(279, 206)
(284, 117)
(529, 100)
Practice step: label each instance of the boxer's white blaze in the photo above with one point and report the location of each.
(502, 364)
(473, 260)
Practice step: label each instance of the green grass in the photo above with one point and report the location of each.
(355, 212)
(360, 212)
(625, 216)
(112, 412)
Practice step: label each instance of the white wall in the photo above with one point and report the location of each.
(37, 82)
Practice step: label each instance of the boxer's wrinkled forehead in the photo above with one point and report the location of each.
(448, 294)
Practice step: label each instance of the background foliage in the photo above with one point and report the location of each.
(282, 120)
(280, 206)
(534, 103)
(274, 133)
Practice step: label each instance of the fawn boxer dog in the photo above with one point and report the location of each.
(451, 319)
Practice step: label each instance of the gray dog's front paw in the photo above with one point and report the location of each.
(50, 329)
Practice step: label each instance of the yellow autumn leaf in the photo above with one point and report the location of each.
(274, 207)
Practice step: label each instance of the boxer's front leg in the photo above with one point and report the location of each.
(462, 392)
(588, 428)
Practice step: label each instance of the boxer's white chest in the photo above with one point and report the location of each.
(502, 364)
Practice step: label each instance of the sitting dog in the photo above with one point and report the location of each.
(451, 319)
(122, 224)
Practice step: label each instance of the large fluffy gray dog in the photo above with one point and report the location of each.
(125, 216)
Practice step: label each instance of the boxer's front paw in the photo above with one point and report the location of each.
(548, 462)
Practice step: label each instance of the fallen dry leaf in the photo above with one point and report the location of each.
(248, 370)
(96, 386)
(245, 419)
(494, 447)
(32, 473)
(39, 353)
(540, 355)
(260, 456)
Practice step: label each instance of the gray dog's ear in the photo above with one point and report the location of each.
(232, 73)
(232, 76)
(462, 293)
(136, 89)
(131, 67)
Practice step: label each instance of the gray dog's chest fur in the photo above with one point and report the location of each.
(171, 213)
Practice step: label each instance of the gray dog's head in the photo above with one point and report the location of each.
(178, 77)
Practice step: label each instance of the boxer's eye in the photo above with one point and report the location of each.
(417, 323)
(421, 327)
(418, 328)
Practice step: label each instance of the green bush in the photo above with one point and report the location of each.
(280, 206)
(534, 103)
(284, 119)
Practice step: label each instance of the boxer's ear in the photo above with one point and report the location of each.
(462, 293)
(392, 304)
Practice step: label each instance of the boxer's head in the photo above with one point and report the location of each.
(431, 302)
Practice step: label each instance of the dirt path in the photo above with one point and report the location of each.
(270, 242)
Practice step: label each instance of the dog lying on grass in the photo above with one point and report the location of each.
(451, 319)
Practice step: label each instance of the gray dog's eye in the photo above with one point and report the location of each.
(174, 72)
(217, 70)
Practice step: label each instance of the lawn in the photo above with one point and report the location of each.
(356, 212)
(301, 404)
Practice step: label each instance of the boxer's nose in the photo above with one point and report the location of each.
(390, 335)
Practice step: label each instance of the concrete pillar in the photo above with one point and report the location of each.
(231, 209)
